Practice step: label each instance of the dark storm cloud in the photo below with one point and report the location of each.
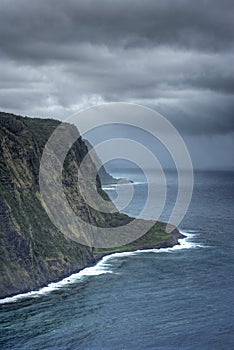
(174, 56)
(206, 24)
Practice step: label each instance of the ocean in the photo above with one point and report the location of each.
(175, 298)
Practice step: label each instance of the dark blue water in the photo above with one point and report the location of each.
(170, 299)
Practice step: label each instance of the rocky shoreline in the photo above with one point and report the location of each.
(143, 243)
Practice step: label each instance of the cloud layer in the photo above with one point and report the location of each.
(174, 56)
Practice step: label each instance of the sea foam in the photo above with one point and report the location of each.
(103, 267)
(112, 187)
(100, 268)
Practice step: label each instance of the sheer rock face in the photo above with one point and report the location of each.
(33, 252)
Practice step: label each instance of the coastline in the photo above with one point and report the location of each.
(34, 253)
(96, 267)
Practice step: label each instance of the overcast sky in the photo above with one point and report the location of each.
(175, 56)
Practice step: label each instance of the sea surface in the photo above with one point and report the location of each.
(178, 298)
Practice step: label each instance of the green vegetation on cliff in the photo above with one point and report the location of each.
(33, 252)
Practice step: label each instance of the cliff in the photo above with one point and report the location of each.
(33, 252)
(105, 178)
